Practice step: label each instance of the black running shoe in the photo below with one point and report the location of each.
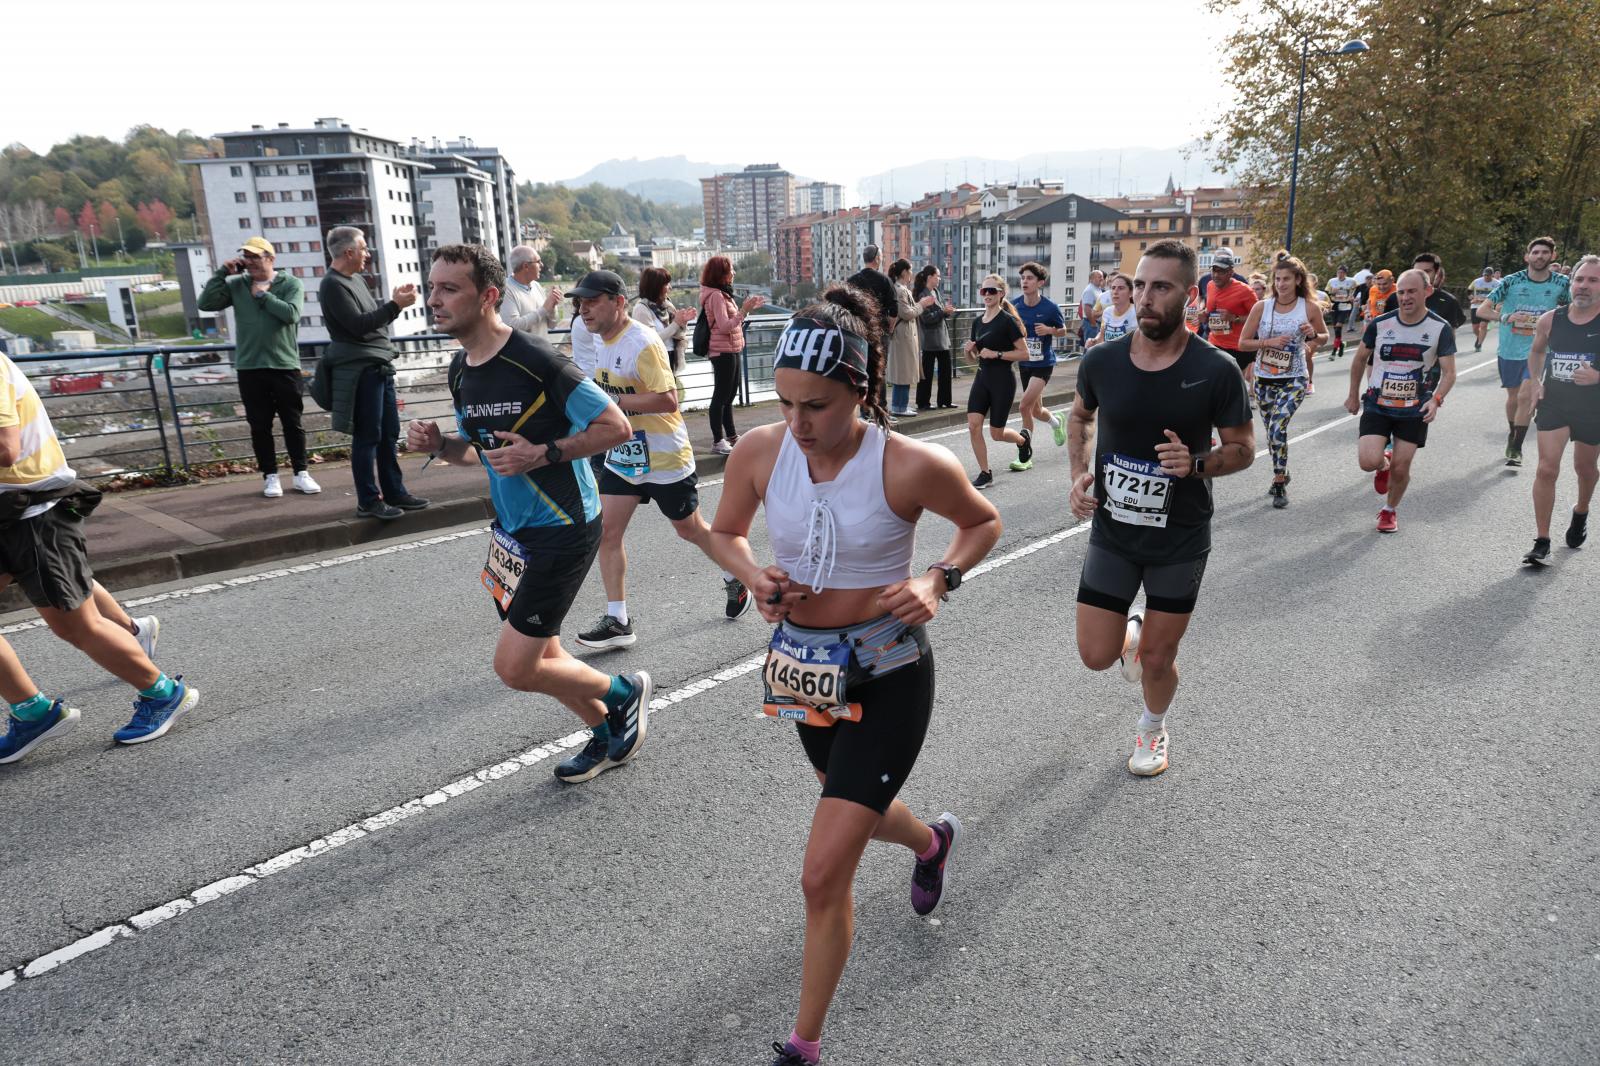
(608, 633)
(1025, 449)
(1540, 555)
(788, 1056)
(929, 879)
(983, 480)
(1280, 498)
(739, 598)
(1578, 531)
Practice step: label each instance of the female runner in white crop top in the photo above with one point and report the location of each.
(842, 499)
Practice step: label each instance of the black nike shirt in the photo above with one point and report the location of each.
(1145, 516)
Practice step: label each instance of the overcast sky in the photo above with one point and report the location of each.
(827, 88)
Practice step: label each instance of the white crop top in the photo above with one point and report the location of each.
(841, 534)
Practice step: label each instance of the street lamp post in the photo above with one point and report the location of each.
(1349, 48)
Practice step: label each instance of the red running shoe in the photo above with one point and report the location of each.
(1380, 480)
(1387, 522)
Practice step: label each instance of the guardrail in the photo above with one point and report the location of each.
(160, 409)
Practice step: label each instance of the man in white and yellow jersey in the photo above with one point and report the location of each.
(43, 506)
(656, 464)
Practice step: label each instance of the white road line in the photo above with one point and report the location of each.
(149, 919)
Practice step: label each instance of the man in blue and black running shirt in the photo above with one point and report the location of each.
(532, 419)
(1044, 323)
(1517, 303)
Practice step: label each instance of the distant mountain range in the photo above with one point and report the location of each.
(673, 179)
(1089, 172)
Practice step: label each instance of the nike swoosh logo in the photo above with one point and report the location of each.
(1192, 384)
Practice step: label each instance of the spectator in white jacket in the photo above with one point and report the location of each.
(526, 305)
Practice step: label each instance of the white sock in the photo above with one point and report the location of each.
(727, 576)
(1149, 721)
(618, 609)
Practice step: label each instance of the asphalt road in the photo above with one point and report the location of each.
(1375, 844)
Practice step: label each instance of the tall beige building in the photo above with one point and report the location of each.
(743, 208)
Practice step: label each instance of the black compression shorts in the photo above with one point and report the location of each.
(1379, 424)
(994, 390)
(867, 762)
(1111, 582)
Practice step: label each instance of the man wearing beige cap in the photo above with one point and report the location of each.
(266, 313)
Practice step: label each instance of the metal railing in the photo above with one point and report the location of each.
(167, 409)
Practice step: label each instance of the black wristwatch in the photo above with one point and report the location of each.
(1197, 466)
(952, 577)
(552, 454)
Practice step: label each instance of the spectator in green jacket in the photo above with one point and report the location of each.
(266, 314)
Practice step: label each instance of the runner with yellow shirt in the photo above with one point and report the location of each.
(656, 464)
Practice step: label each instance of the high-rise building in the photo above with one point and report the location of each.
(814, 196)
(455, 205)
(507, 222)
(936, 230)
(744, 207)
(792, 263)
(292, 186)
(1068, 234)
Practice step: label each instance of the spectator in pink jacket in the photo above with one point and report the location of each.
(726, 317)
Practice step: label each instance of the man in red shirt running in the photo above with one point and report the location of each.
(1228, 304)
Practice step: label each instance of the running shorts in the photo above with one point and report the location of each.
(1030, 373)
(994, 389)
(47, 557)
(549, 585)
(1111, 582)
(1583, 420)
(1380, 424)
(1513, 372)
(677, 501)
(1245, 359)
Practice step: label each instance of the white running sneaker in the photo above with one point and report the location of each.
(303, 482)
(721, 447)
(1132, 668)
(1149, 756)
(149, 633)
(273, 488)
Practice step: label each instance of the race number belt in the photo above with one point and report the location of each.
(1217, 322)
(1035, 347)
(1276, 362)
(807, 683)
(631, 458)
(507, 560)
(1136, 491)
(1343, 305)
(1400, 389)
(1564, 364)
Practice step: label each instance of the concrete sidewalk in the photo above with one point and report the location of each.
(155, 535)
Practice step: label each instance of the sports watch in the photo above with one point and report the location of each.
(552, 454)
(952, 577)
(1197, 466)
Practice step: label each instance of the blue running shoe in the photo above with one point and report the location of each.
(929, 879)
(152, 718)
(23, 737)
(590, 762)
(628, 722)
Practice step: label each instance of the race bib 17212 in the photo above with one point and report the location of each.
(1137, 492)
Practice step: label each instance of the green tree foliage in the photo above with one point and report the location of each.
(143, 168)
(587, 214)
(754, 269)
(1469, 127)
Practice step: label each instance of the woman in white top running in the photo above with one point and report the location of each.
(1119, 318)
(842, 498)
(1284, 331)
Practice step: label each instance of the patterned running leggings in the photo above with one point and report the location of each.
(1279, 400)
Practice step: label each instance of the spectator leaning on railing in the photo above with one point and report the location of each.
(356, 375)
(266, 313)
(525, 304)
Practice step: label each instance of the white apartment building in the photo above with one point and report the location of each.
(1068, 234)
(504, 219)
(455, 205)
(813, 196)
(838, 242)
(292, 186)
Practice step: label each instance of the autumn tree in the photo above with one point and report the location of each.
(1468, 127)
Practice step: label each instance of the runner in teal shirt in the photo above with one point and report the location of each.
(1516, 303)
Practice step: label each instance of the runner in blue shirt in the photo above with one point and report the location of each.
(1517, 303)
(1044, 322)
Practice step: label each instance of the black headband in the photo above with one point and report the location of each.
(825, 348)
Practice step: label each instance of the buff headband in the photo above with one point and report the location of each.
(821, 347)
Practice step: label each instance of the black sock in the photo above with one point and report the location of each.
(1518, 435)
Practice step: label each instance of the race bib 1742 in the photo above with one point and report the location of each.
(1564, 364)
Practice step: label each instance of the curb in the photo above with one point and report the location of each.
(199, 560)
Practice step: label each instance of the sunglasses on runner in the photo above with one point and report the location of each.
(989, 290)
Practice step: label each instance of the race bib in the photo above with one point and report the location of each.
(1035, 347)
(1564, 364)
(507, 560)
(631, 458)
(1523, 323)
(1217, 322)
(1137, 492)
(1342, 305)
(1191, 317)
(1400, 389)
(1116, 332)
(1276, 362)
(806, 683)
